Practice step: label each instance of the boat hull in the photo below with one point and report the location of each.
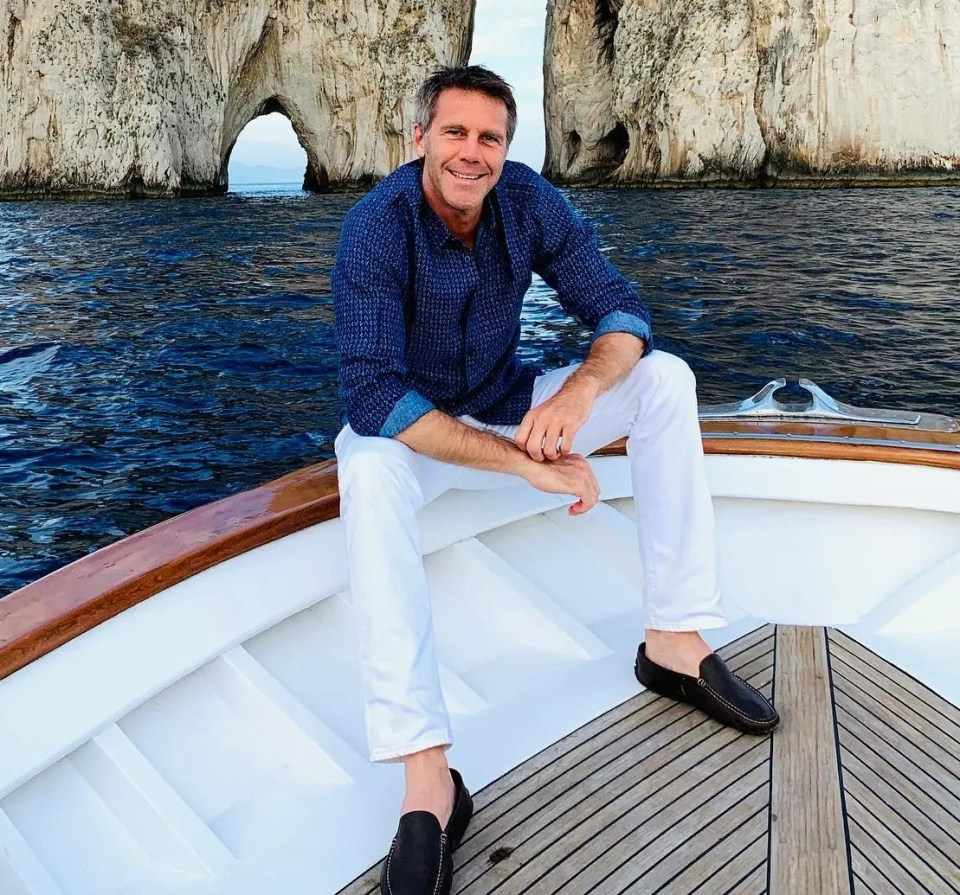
(210, 738)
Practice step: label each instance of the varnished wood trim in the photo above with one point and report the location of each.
(808, 843)
(41, 616)
(851, 431)
(46, 614)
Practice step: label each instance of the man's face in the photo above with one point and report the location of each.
(463, 150)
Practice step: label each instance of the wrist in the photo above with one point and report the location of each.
(521, 463)
(586, 384)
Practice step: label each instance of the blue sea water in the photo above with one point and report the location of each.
(157, 355)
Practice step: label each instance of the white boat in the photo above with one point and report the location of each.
(180, 711)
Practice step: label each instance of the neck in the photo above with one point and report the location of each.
(462, 223)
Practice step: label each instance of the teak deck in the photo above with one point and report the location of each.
(858, 792)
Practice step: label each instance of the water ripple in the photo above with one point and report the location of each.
(19, 365)
(157, 355)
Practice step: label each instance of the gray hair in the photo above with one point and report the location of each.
(464, 77)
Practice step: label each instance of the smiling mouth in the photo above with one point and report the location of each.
(466, 176)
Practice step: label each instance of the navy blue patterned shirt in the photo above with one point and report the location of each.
(422, 322)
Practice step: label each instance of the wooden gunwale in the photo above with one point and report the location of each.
(44, 615)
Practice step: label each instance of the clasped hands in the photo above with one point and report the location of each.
(546, 434)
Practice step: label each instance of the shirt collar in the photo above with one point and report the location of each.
(437, 232)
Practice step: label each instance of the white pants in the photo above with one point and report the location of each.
(384, 485)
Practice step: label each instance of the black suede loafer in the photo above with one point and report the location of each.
(718, 692)
(420, 861)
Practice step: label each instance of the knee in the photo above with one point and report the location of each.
(668, 376)
(375, 470)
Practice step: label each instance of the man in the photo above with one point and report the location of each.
(428, 286)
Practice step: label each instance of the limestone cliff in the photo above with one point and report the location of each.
(747, 91)
(147, 97)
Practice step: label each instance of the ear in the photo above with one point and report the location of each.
(419, 140)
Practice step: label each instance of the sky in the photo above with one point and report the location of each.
(507, 37)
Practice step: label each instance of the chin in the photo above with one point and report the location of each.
(464, 201)
(463, 204)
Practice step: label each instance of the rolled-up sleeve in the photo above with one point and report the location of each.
(369, 287)
(588, 286)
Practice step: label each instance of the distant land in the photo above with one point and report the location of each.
(242, 173)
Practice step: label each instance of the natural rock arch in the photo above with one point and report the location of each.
(134, 97)
(312, 179)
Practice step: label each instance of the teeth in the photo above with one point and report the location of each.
(465, 176)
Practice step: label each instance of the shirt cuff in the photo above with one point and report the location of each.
(405, 413)
(622, 322)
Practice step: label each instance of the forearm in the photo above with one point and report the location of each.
(611, 357)
(443, 437)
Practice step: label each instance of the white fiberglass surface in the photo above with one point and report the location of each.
(300, 653)
(824, 565)
(83, 846)
(816, 564)
(247, 772)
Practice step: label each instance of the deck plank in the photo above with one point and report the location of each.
(901, 776)
(868, 879)
(935, 740)
(900, 773)
(635, 815)
(635, 865)
(641, 754)
(808, 851)
(754, 883)
(901, 841)
(653, 797)
(599, 759)
(746, 655)
(612, 747)
(569, 809)
(542, 822)
(732, 825)
(872, 842)
(609, 808)
(924, 700)
(738, 653)
(876, 737)
(565, 793)
(559, 804)
(718, 867)
(926, 817)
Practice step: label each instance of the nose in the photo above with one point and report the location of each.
(470, 149)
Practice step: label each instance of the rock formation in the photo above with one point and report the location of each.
(147, 97)
(748, 91)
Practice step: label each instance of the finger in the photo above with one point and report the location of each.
(589, 491)
(568, 435)
(523, 431)
(551, 440)
(594, 497)
(588, 500)
(534, 445)
(576, 509)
